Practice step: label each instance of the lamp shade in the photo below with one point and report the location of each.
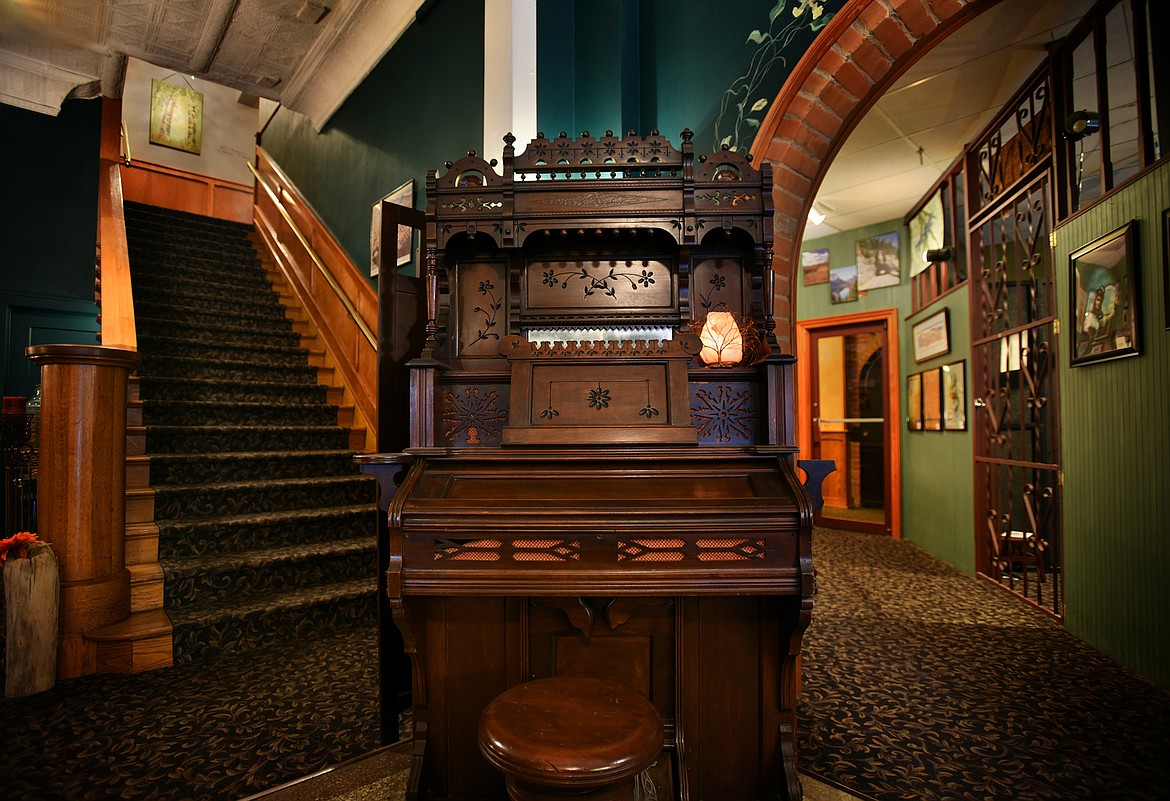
(722, 340)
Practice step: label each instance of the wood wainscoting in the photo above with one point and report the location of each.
(156, 185)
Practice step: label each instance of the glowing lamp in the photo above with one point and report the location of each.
(722, 340)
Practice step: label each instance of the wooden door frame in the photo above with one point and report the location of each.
(804, 329)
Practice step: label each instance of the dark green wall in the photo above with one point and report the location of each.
(653, 64)
(422, 105)
(937, 476)
(1115, 440)
(48, 232)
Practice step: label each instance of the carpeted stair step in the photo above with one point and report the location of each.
(213, 318)
(213, 439)
(185, 501)
(209, 581)
(185, 538)
(151, 327)
(192, 468)
(307, 614)
(203, 413)
(222, 351)
(152, 271)
(227, 370)
(207, 296)
(175, 388)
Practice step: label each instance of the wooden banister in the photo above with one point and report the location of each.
(115, 297)
(336, 296)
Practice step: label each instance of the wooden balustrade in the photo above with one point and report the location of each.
(337, 297)
(169, 188)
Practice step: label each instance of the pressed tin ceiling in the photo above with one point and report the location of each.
(306, 54)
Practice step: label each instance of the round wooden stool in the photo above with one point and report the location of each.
(579, 737)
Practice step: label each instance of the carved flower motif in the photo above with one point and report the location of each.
(599, 398)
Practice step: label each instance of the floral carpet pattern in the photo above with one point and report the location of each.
(923, 683)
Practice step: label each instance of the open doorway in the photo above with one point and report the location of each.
(848, 384)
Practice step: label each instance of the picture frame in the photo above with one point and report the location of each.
(932, 336)
(176, 116)
(843, 284)
(914, 401)
(932, 399)
(1104, 300)
(815, 266)
(879, 261)
(403, 196)
(954, 396)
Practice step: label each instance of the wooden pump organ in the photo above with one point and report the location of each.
(584, 495)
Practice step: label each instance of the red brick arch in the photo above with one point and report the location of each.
(865, 47)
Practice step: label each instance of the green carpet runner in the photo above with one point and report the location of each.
(266, 527)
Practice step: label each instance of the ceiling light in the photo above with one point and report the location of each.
(815, 216)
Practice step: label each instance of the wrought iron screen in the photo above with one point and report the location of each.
(1017, 459)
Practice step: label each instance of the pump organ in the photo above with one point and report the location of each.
(583, 495)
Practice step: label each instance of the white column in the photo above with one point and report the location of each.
(509, 74)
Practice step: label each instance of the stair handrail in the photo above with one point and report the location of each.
(112, 284)
(322, 268)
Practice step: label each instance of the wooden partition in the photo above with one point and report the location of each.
(338, 298)
(156, 185)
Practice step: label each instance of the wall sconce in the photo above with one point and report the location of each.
(1080, 124)
(938, 255)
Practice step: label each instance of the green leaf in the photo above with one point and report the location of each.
(756, 36)
(775, 12)
(752, 122)
(759, 104)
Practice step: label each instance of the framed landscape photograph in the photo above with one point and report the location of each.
(815, 264)
(843, 284)
(914, 402)
(954, 396)
(931, 337)
(1104, 298)
(878, 262)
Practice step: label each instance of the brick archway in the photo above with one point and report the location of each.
(865, 47)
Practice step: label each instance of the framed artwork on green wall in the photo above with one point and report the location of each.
(914, 401)
(815, 264)
(931, 337)
(954, 396)
(1104, 300)
(932, 399)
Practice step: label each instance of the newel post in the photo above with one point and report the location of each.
(81, 489)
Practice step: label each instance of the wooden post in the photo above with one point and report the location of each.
(81, 489)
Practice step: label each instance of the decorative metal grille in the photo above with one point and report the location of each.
(487, 550)
(1014, 378)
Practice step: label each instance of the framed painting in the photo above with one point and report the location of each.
(1104, 300)
(932, 399)
(914, 401)
(931, 337)
(176, 116)
(843, 284)
(404, 196)
(815, 264)
(878, 262)
(954, 396)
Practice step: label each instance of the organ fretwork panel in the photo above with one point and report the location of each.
(588, 490)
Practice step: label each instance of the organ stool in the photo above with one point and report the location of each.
(570, 737)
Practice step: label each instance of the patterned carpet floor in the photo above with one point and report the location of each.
(923, 683)
(920, 683)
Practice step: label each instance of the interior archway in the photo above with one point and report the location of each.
(861, 52)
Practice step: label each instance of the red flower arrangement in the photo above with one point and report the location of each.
(18, 545)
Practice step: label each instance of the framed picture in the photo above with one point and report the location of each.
(914, 401)
(176, 116)
(843, 284)
(954, 396)
(931, 336)
(1104, 298)
(815, 264)
(403, 196)
(878, 262)
(932, 399)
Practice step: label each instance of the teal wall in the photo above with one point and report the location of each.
(48, 231)
(937, 474)
(422, 105)
(678, 65)
(1115, 440)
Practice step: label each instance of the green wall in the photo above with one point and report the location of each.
(422, 105)
(937, 473)
(48, 231)
(1115, 433)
